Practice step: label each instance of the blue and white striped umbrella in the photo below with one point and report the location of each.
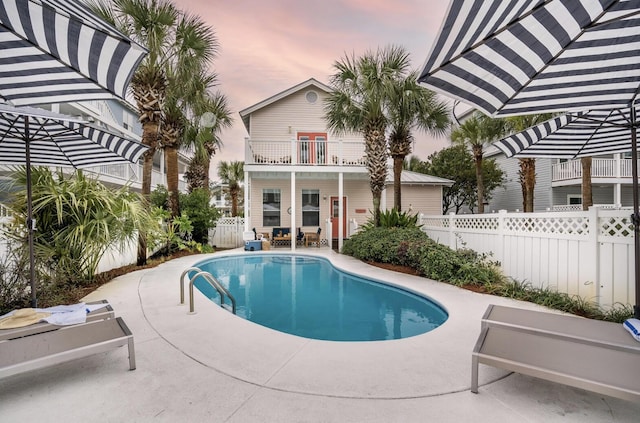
(572, 135)
(516, 57)
(56, 51)
(59, 140)
(33, 136)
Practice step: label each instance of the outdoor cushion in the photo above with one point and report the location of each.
(633, 327)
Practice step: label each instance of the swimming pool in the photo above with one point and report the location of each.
(308, 297)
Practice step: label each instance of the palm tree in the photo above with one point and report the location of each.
(151, 23)
(474, 133)
(411, 107)
(188, 85)
(527, 170)
(203, 134)
(232, 174)
(357, 103)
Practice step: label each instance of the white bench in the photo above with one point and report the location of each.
(64, 344)
(589, 354)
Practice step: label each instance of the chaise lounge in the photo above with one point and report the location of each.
(589, 354)
(41, 345)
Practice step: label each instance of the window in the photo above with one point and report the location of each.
(311, 97)
(271, 207)
(574, 199)
(127, 120)
(321, 149)
(310, 207)
(305, 146)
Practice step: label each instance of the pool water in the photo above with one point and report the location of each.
(308, 297)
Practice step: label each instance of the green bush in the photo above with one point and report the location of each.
(411, 247)
(393, 219)
(196, 205)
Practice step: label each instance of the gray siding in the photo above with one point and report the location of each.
(509, 196)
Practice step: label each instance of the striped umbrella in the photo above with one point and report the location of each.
(32, 136)
(572, 135)
(515, 57)
(56, 51)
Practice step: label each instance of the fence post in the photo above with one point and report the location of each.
(500, 251)
(452, 234)
(593, 256)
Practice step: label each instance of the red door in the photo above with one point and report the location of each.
(335, 207)
(312, 147)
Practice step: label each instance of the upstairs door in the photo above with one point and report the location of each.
(335, 207)
(312, 147)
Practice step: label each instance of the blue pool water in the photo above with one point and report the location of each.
(307, 296)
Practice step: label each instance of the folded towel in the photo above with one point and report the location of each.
(57, 315)
(633, 326)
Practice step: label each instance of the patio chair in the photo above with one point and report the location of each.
(299, 237)
(313, 237)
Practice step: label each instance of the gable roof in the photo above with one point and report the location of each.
(311, 82)
(414, 178)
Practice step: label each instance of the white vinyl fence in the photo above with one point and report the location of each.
(227, 233)
(589, 254)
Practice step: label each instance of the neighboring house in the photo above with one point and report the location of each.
(290, 150)
(220, 198)
(122, 118)
(559, 183)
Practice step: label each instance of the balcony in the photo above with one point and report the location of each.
(304, 153)
(122, 174)
(612, 169)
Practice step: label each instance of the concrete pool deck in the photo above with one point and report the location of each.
(213, 366)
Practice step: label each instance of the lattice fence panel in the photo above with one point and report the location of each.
(548, 225)
(615, 226)
(438, 222)
(475, 223)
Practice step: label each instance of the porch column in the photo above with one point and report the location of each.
(340, 214)
(617, 187)
(293, 231)
(247, 205)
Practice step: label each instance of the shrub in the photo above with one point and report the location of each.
(411, 247)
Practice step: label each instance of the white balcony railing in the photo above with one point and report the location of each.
(304, 152)
(600, 168)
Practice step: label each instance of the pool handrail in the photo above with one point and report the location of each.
(222, 291)
(191, 269)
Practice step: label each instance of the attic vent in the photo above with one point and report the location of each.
(311, 96)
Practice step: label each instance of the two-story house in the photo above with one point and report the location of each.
(300, 175)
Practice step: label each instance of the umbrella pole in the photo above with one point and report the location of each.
(635, 218)
(30, 223)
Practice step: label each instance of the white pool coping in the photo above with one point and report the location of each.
(214, 366)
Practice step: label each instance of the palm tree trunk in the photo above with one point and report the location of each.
(149, 138)
(233, 193)
(171, 164)
(528, 183)
(206, 182)
(587, 192)
(398, 161)
(477, 157)
(376, 154)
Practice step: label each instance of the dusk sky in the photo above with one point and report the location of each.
(269, 46)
